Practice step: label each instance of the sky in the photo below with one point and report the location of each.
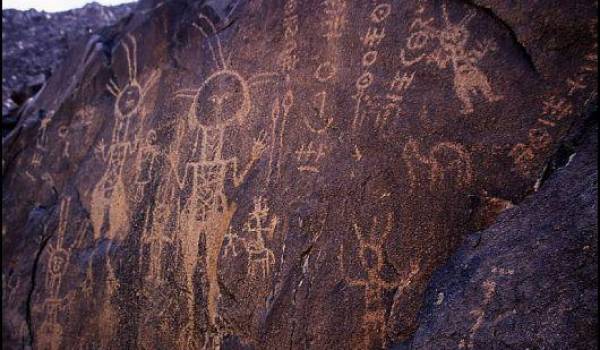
(54, 5)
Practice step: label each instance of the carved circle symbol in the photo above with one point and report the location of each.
(129, 99)
(57, 262)
(381, 12)
(151, 140)
(222, 100)
(417, 40)
(325, 71)
(369, 58)
(62, 131)
(364, 81)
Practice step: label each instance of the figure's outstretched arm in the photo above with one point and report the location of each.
(257, 151)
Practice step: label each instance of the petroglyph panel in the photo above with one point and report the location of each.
(241, 170)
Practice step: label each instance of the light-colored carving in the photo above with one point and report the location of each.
(257, 227)
(154, 240)
(109, 198)
(489, 287)
(110, 208)
(381, 12)
(275, 115)
(49, 336)
(50, 332)
(288, 58)
(445, 161)
(222, 101)
(357, 155)
(371, 258)
(557, 108)
(309, 155)
(325, 121)
(146, 164)
(399, 85)
(58, 256)
(86, 115)
(287, 103)
(36, 160)
(63, 133)
(371, 40)
(575, 84)
(335, 21)
(554, 109)
(42, 135)
(230, 239)
(325, 71)
(452, 48)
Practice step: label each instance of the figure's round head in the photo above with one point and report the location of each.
(57, 263)
(129, 99)
(222, 100)
(151, 138)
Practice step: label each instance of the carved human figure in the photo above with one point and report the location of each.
(452, 49)
(260, 257)
(109, 195)
(50, 332)
(222, 101)
(371, 258)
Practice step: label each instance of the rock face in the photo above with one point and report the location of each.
(530, 280)
(35, 43)
(268, 174)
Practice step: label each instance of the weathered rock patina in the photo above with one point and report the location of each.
(267, 174)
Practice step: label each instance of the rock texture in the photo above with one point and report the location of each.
(267, 174)
(35, 43)
(530, 280)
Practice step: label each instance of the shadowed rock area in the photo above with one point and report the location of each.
(292, 174)
(530, 280)
(34, 43)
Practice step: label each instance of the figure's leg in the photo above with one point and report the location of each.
(463, 94)
(486, 89)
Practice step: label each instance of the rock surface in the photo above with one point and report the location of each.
(530, 280)
(34, 43)
(267, 174)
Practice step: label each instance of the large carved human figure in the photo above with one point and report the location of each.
(110, 210)
(222, 101)
(451, 49)
(109, 195)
